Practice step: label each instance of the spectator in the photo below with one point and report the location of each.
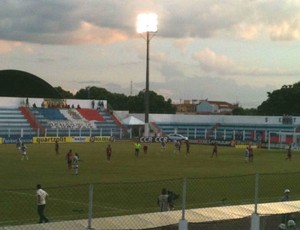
(291, 225)
(172, 196)
(285, 197)
(282, 226)
(162, 201)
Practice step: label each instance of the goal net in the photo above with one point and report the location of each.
(282, 140)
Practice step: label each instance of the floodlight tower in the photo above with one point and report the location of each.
(147, 25)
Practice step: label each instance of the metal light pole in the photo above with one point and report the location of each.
(147, 24)
(146, 131)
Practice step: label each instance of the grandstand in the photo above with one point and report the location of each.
(221, 127)
(31, 107)
(13, 124)
(20, 120)
(25, 115)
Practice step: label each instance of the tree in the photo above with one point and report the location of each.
(238, 111)
(241, 111)
(92, 92)
(157, 104)
(64, 94)
(282, 101)
(134, 104)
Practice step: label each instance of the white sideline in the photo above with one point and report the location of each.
(158, 219)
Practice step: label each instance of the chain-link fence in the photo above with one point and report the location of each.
(194, 203)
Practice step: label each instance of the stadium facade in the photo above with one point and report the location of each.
(25, 114)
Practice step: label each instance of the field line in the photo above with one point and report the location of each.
(68, 201)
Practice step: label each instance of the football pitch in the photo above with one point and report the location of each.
(129, 184)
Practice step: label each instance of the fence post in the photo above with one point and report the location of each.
(255, 222)
(183, 224)
(91, 189)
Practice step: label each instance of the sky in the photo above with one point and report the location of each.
(220, 50)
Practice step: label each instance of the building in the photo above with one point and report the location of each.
(204, 107)
(187, 107)
(214, 107)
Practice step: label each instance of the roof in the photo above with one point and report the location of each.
(16, 83)
(131, 120)
(221, 104)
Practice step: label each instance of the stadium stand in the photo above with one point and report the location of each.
(91, 114)
(110, 124)
(70, 121)
(226, 131)
(50, 113)
(25, 121)
(221, 127)
(13, 124)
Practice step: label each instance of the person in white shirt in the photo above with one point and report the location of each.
(75, 163)
(24, 151)
(41, 203)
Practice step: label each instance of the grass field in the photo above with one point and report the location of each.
(130, 184)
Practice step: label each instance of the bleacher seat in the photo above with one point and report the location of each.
(51, 113)
(76, 122)
(13, 123)
(91, 115)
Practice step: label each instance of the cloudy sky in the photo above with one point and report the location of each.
(229, 50)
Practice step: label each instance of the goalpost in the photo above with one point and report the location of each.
(282, 140)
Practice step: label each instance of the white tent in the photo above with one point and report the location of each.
(131, 120)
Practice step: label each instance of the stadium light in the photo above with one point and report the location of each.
(147, 24)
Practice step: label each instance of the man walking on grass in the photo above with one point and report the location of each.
(41, 203)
